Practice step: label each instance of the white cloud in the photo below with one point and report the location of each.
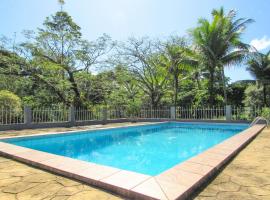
(261, 44)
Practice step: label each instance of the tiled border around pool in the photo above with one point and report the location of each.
(176, 183)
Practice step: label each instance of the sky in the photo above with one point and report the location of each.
(122, 19)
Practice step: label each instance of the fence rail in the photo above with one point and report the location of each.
(82, 114)
(45, 115)
(245, 113)
(72, 115)
(150, 113)
(218, 113)
(11, 116)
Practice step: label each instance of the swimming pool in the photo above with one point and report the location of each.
(147, 149)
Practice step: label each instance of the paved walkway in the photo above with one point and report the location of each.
(246, 177)
(21, 182)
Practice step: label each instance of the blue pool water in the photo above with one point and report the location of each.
(148, 149)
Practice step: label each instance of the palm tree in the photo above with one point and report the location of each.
(179, 60)
(219, 43)
(259, 67)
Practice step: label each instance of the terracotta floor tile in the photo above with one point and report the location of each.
(12, 149)
(66, 164)
(97, 172)
(196, 168)
(206, 160)
(125, 179)
(150, 188)
(219, 150)
(181, 177)
(36, 156)
(172, 190)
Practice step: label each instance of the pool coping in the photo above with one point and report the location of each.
(177, 182)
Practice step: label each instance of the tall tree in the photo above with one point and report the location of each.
(259, 67)
(219, 43)
(179, 59)
(57, 53)
(144, 60)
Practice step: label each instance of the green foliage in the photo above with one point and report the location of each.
(52, 58)
(266, 114)
(253, 96)
(219, 44)
(54, 64)
(259, 67)
(236, 92)
(9, 100)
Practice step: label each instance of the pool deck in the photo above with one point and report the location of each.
(167, 185)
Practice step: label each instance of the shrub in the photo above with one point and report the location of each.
(266, 114)
(253, 96)
(9, 100)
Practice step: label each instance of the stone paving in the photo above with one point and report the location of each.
(21, 182)
(246, 177)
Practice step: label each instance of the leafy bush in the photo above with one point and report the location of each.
(266, 114)
(253, 96)
(9, 100)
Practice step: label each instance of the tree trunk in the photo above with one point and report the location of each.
(197, 78)
(211, 87)
(224, 87)
(155, 99)
(176, 84)
(264, 95)
(77, 101)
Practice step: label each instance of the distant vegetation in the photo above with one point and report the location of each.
(55, 65)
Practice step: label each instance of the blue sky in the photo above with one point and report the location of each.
(124, 18)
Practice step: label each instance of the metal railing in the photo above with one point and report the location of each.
(245, 113)
(214, 113)
(53, 114)
(83, 114)
(72, 115)
(151, 113)
(117, 113)
(11, 116)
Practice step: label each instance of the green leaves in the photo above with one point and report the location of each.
(54, 65)
(219, 43)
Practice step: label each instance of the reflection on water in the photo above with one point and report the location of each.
(147, 149)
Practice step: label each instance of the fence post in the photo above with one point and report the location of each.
(27, 115)
(104, 115)
(172, 110)
(228, 112)
(71, 116)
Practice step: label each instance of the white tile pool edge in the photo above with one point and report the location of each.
(175, 183)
